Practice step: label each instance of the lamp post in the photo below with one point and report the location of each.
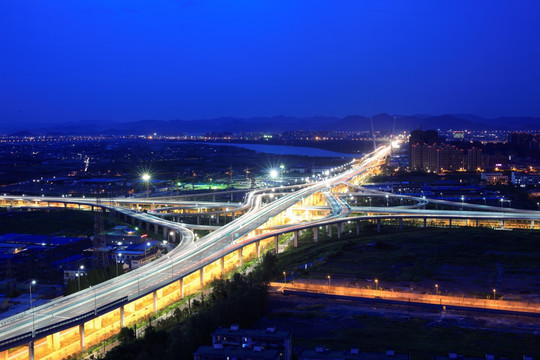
(145, 246)
(79, 276)
(146, 178)
(117, 261)
(502, 200)
(485, 203)
(494, 294)
(32, 283)
(538, 204)
(376, 284)
(436, 289)
(386, 200)
(328, 280)
(462, 200)
(284, 277)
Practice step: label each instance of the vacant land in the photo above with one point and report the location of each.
(340, 325)
(50, 222)
(470, 262)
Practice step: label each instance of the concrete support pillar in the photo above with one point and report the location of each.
(400, 223)
(165, 233)
(198, 220)
(425, 223)
(532, 224)
(81, 337)
(147, 226)
(97, 323)
(276, 244)
(378, 225)
(222, 263)
(217, 219)
(450, 223)
(125, 216)
(201, 276)
(339, 229)
(122, 317)
(233, 215)
(330, 231)
(31, 350)
(295, 237)
(502, 224)
(258, 249)
(139, 224)
(316, 234)
(241, 256)
(181, 283)
(156, 229)
(358, 228)
(155, 302)
(132, 221)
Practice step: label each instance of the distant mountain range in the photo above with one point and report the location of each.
(382, 122)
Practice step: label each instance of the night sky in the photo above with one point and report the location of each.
(130, 60)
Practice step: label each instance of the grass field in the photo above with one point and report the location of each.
(466, 261)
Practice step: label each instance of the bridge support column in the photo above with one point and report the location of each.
(295, 237)
(217, 219)
(258, 249)
(31, 350)
(339, 229)
(165, 233)
(425, 223)
(233, 215)
(358, 228)
(241, 256)
(276, 244)
(173, 236)
(139, 224)
(400, 223)
(378, 225)
(450, 223)
(316, 234)
(147, 226)
(198, 220)
(125, 216)
(201, 277)
(532, 224)
(330, 231)
(222, 263)
(181, 282)
(122, 317)
(156, 229)
(155, 301)
(502, 224)
(81, 336)
(132, 221)
(53, 340)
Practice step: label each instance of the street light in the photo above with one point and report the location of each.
(376, 284)
(494, 294)
(386, 200)
(117, 261)
(462, 199)
(32, 283)
(169, 235)
(538, 204)
(436, 289)
(146, 178)
(284, 277)
(145, 246)
(79, 276)
(328, 280)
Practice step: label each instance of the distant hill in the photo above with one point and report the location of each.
(381, 122)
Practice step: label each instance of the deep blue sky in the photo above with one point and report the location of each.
(129, 60)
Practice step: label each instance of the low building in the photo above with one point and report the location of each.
(525, 178)
(269, 339)
(494, 178)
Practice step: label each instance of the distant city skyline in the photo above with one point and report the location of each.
(133, 60)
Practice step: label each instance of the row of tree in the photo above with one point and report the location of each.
(239, 300)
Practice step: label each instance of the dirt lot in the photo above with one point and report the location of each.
(416, 330)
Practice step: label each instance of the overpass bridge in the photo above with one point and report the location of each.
(71, 324)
